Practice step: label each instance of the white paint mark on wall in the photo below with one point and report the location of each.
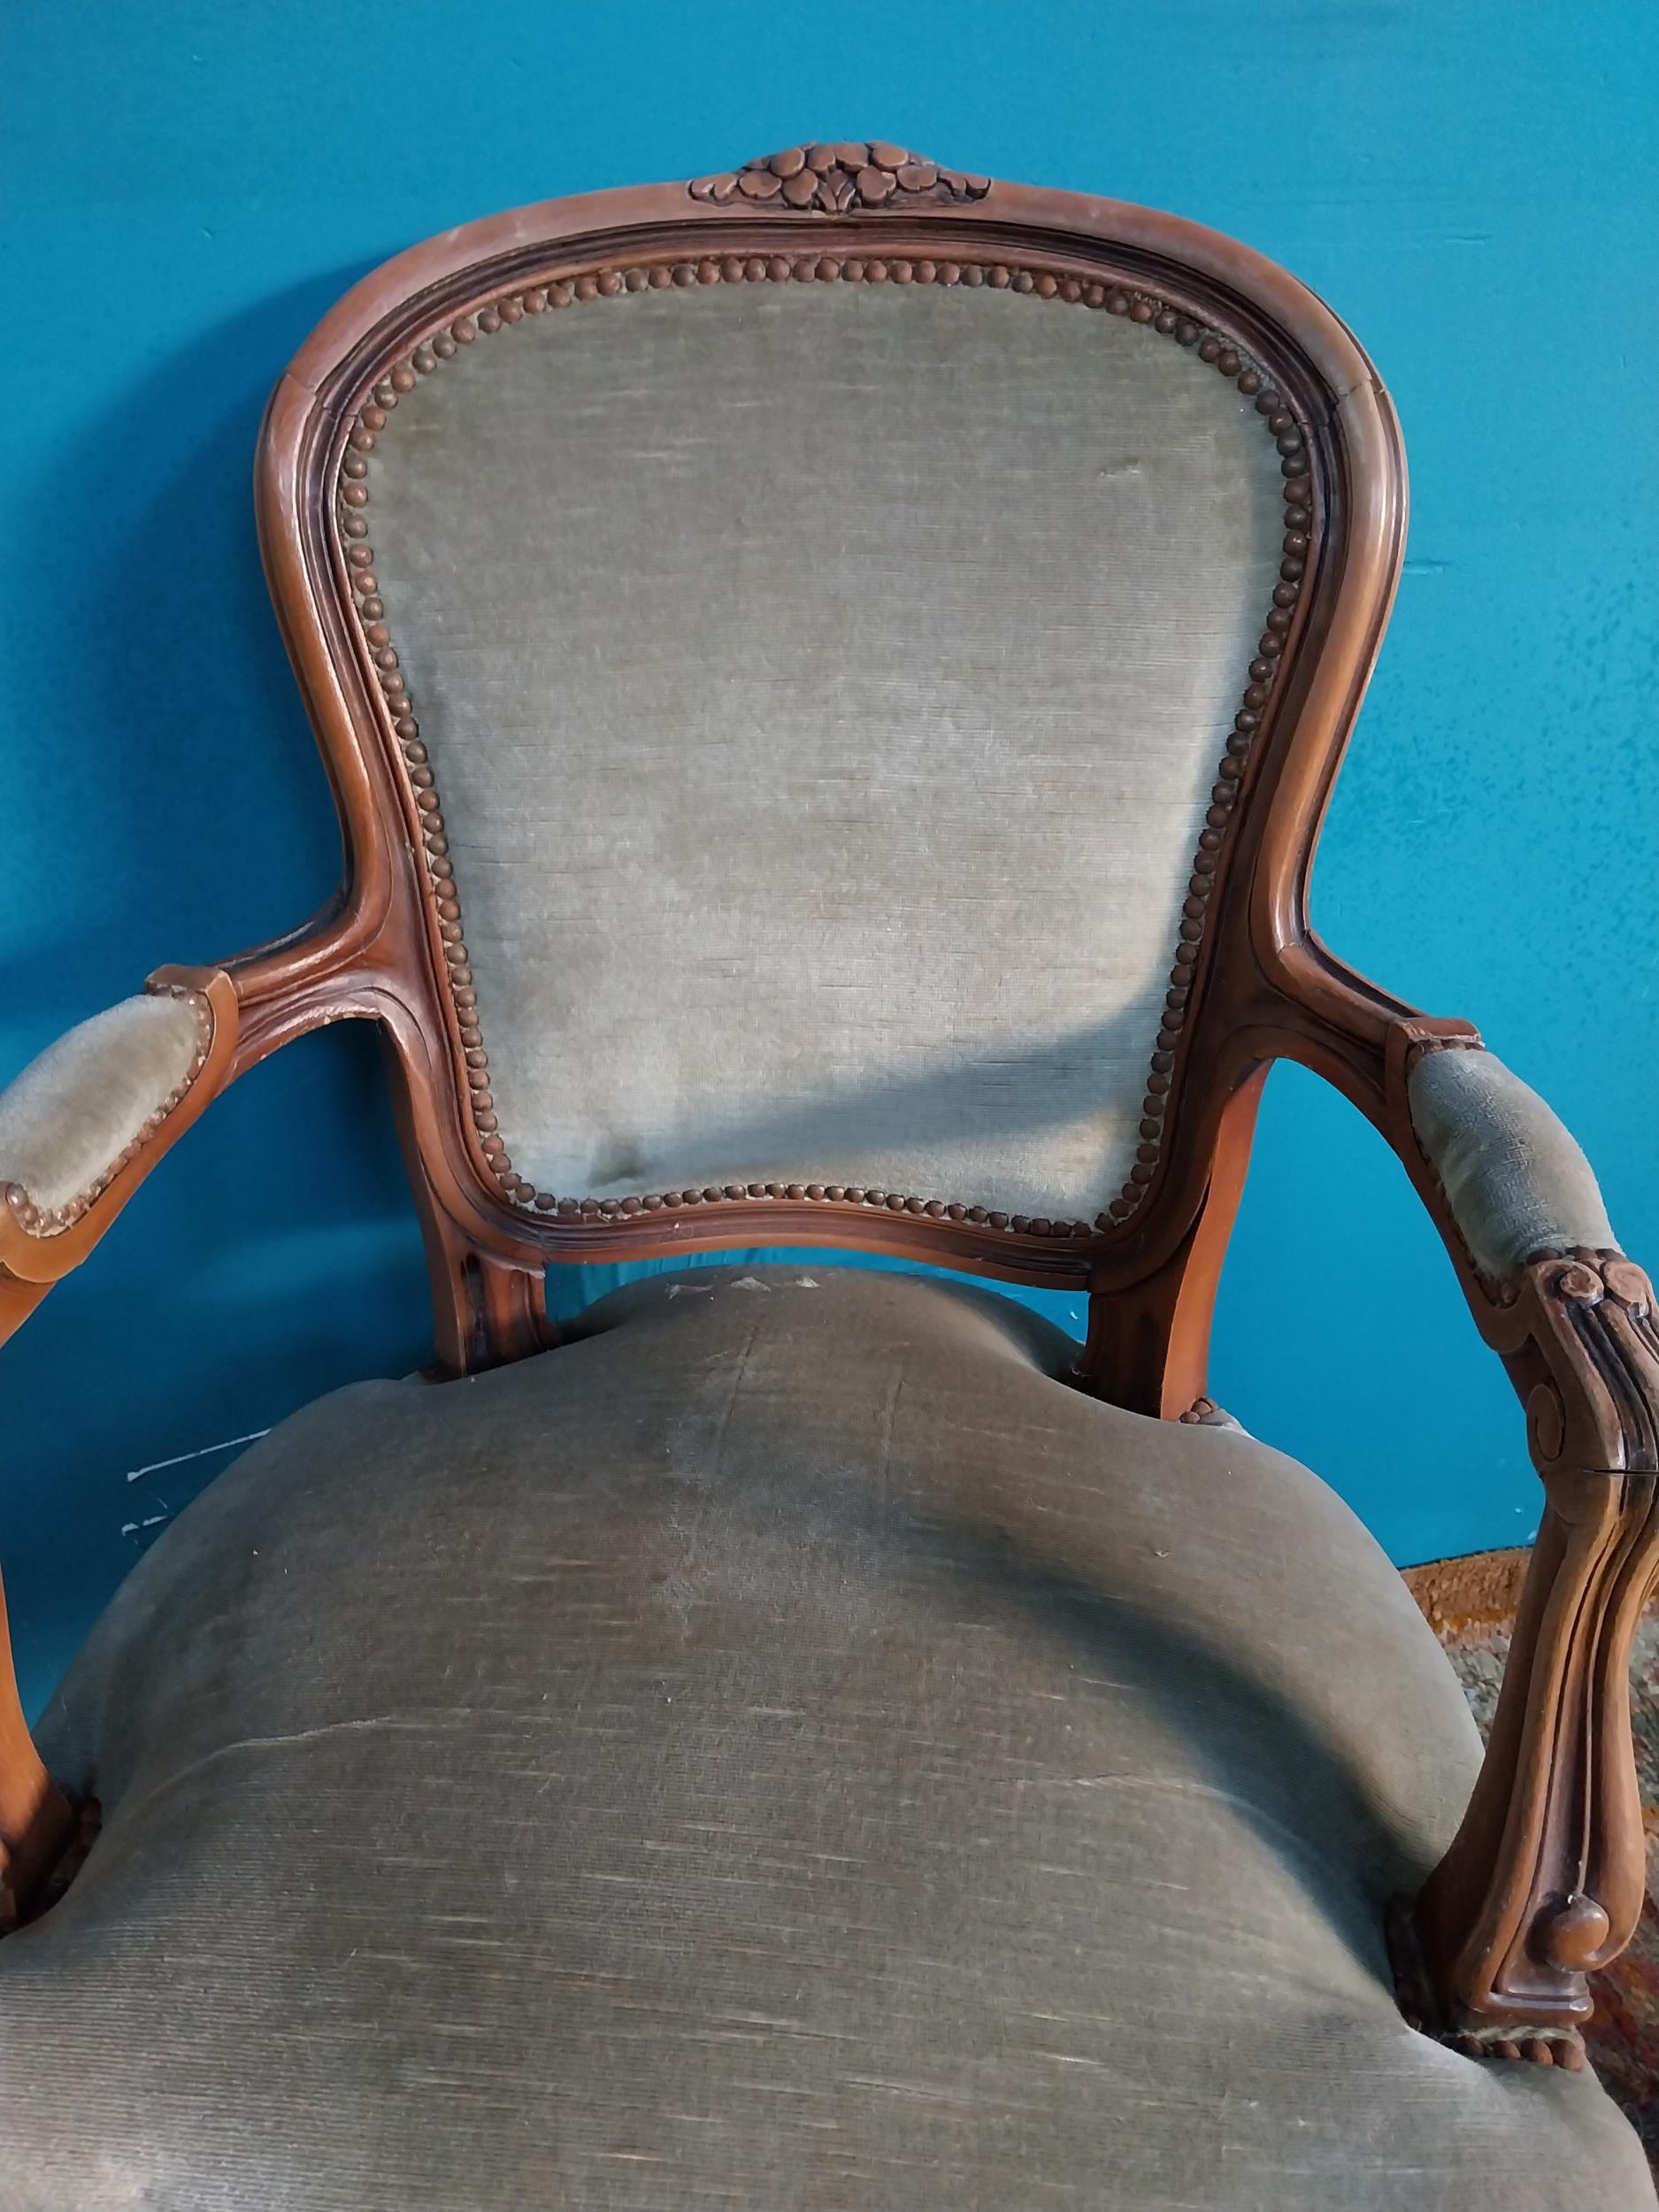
(180, 1458)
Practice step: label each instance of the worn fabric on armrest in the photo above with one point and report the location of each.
(71, 1112)
(1516, 1180)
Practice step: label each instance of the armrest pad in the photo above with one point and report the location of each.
(69, 1118)
(1518, 1184)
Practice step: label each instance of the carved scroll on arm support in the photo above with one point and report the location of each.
(1544, 1882)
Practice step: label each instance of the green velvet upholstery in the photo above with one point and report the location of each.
(1516, 1180)
(68, 1115)
(785, 1750)
(824, 685)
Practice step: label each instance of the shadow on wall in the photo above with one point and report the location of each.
(183, 815)
(179, 750)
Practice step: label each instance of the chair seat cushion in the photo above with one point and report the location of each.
(784, 1748)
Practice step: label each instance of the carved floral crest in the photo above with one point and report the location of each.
(830, 179)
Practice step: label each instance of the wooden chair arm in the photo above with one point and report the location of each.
(1543, 1884)
(84, 1154)
(85, 1124)
(87, 1152)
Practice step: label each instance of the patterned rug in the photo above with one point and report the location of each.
(1470, 1603)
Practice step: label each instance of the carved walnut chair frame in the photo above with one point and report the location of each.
(1544, 1881)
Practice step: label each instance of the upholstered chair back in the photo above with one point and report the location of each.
(823, 668)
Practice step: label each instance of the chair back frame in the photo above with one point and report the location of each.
(391, 944)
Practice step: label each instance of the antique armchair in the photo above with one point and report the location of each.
(830, 676)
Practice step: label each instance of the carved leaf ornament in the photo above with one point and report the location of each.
(831, 179)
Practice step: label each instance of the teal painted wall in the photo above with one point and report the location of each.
(185, 187)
